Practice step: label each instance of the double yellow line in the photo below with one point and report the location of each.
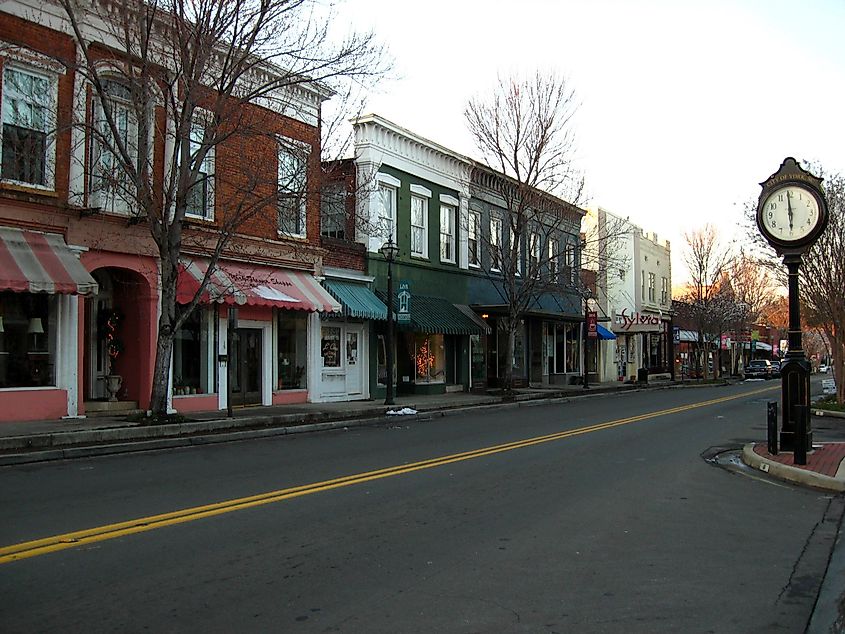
(111, 531)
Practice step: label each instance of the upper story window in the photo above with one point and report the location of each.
(447, 233)
(200, 203)
(495, 244)
(642, 285)
(474, 238)
(570, 274)
(29, 119)
(533, 254)
(333, 212)
(664, 290)
(651, 287)
(292, 181)
(419, 226)
(385, 216)
(517, 252)
(554, 261)
(111, 186)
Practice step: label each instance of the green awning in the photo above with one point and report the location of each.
(357, 300)
(436, 315)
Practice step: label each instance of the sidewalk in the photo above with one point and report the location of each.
(37, 441)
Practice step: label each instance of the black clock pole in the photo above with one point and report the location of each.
(795, 434)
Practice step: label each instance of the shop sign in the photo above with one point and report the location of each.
(592, 324)
(403, 315)
(637, 322)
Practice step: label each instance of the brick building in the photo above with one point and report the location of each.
(80, 293)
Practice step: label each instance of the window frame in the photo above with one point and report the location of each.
(554, 260)
(333, 210)
(416, 228)
(474, 237)
(289, 147)
(98, 151)
(496, 236)
(52, 78)
(448, 238)
(208, 172)
(652, 287)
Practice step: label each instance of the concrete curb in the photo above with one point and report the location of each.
(16, 450)
(791, 474)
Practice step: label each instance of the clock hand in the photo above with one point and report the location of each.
(789, 207)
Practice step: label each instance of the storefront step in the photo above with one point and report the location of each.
(454, 388)
(109, 408)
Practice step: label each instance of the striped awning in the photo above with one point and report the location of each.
(253, 285)
(33, 262)
(357, 300)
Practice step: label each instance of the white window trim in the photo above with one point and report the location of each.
(472, 216)
(419, 190)
(424, 253)
(32, 67)
(496, 243)
(554, 261)
(387, 179)
(211, 162)
(108, 201)
(453, 210)
(281, 142)
(446, 199)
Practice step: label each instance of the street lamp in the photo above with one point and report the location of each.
(587, 295)
(389, 250)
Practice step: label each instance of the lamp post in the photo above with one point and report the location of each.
(389, 250)
(587, 295)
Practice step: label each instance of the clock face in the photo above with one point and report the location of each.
(790, 214)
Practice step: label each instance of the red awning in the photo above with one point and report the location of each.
(255, 285)
(33, 262)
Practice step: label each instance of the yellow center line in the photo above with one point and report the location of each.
(74, 539)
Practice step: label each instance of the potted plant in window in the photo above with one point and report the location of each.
(110, 322)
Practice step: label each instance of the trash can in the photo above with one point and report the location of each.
(642, 375)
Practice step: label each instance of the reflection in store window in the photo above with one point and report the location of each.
(27, 339)
(193, 350)
(291, 350)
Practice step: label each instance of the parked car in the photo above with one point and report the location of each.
(824, 368)
(758, 369)
(776, 368)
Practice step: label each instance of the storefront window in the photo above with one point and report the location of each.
(27, 339)
(477, 366)
(330, 346)
(573, 347)
(291, 350)
(193, 350)
(429, 358)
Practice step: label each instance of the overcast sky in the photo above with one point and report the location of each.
(685, 107)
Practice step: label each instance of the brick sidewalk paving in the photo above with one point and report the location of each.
(824, 459)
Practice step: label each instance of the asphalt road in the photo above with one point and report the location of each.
(597, 515)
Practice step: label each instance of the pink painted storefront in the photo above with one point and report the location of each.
(73, 319)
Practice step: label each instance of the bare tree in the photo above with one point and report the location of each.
(525, 135)
(200, 74)
(822, 280)
(707, 259)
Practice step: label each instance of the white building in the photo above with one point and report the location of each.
(634, 294)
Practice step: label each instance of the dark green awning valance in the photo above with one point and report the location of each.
(357, 300)
(436, 315)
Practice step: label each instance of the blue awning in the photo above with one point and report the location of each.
(356, 299)
(604, 333)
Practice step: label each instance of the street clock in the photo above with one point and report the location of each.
(791, 210)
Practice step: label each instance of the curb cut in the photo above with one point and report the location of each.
(791, 474)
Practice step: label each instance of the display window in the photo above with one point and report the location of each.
(28, 327)
(429, 358)
(194, 371)
(291, 350)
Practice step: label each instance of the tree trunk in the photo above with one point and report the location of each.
(508, 382)
(164, 342)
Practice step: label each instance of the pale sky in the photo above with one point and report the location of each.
(685, 106)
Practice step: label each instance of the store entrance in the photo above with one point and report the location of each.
(245, 366)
